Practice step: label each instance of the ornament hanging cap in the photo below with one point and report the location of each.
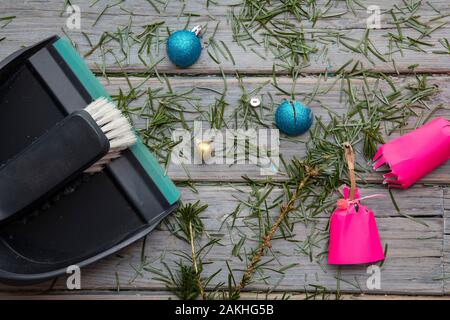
(197, 30)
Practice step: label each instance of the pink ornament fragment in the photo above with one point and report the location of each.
(415, 154)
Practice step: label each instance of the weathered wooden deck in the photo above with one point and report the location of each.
(418, 261)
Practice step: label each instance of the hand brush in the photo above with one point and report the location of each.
(116, 128)
(84, 141)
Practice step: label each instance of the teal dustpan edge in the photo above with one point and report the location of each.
(96, 90)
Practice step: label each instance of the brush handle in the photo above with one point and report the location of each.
(55, 158)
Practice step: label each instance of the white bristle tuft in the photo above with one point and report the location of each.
(116, 128)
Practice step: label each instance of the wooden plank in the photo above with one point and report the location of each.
(204, 91)
(413, 263)
(164, 295)
(417, 201)
(446, 249)
(446, 204)
(446, 259)
(412, 275)
(329, 99)
(44, 19)
(174, 8)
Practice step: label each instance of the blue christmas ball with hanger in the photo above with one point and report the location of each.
(293, 118)
(184, 47)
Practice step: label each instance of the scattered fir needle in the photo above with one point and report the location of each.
(397, 208)
(64, 8)
(6, 20)
(107, 7)
(154, 6)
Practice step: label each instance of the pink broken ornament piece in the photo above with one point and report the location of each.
(354, 237)
(415, 154)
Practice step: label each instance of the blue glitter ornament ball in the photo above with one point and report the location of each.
(183, 48)
(293, 118)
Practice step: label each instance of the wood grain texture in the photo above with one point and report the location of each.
(261, 87)
(40, 19)
(413, 263)
(418, 257)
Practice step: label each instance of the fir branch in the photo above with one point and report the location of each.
(310, 172)
(187, 282)
(195, 264)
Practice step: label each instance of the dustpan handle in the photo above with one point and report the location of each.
(61, 154)
(350, 158)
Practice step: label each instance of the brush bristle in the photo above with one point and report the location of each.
(116, 128)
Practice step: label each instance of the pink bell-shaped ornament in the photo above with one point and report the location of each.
(354, 237)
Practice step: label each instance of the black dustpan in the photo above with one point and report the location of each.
(92, 216)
